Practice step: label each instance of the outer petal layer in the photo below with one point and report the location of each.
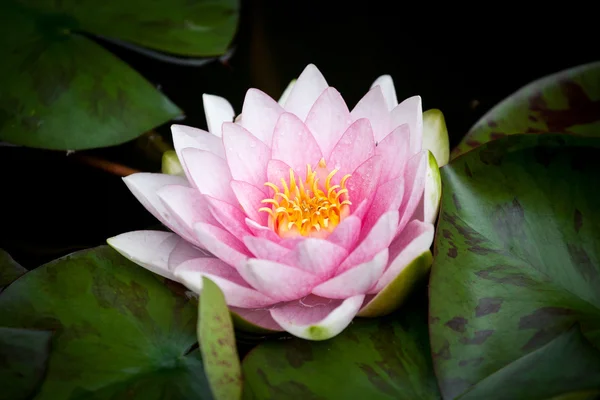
(305, 92)
(217, 110)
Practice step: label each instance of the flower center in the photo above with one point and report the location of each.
(307, 208)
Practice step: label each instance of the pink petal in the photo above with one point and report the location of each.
(217, 110)
(145, 187)
(279, 281)
(306, 91)
(317, 256)
(414, 187)
(387, 88)
(410, 112)
(265, 249)
(247, 156)
(184, 251)
(275, 171)
(186, 136)
(394, 150)
(209, 173)
(262, 231)
(373, 107)
(250, 198)
(365, 179)
(260, 317)
(388, 197)
(379, 238)
(222, 244)
(149, 249)
(414, 240)
(317, 318)
(260, 114)
(187, 206)
(354, 148)
(294, 144)
(357, 280)
(328, 119)
(346, 233)
(229, 217)
(236, 291)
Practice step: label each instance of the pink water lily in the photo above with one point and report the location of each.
(304, 213)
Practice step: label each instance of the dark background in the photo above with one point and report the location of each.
(462, 60)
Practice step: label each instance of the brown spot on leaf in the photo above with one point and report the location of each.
(505, 274)
(539, 339)
(472, 238)
(378, 381)
(452, 251)
(434, 320)
(298, 352)
(581, 261)
(533, 118)
(443, 352)
(577, 220)
(473, 362)
(508, 221)
(468, 170)
(544, 317)
(457, 324)
(479, 337)
(488, 305)
(482, 251)
(456, 202)
(491, 123)
(447, 234)
(497, 135)
(473, 143)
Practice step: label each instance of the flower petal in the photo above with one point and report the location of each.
(354, 148)
(415, 175)
(317, 318)
(346, 233)
(254, 320)
(294, 144)
(149, 249)
(250, 198)
(387, 88)
(379, 238)
(276, 280)
(247, 156)
(262, 231)
(222, 244)
(236, 291)
(184, 251)
(357, 280)
(374, 107)
(145, 185)
(394, 151)
(433, 189)
(217, 110)
(265, 248)
(328, 119)
(410, 112)
(365, 179)
(229, 217)
(186, 136)
(305, 92)
(209, 173)
(286, 93)
(187, 206)
(260, 114)
(388, 197)
(317, 256)
(414, 240)
(435, 136)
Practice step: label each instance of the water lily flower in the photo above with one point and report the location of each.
(304, 213)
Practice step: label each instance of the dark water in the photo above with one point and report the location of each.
(462, 61)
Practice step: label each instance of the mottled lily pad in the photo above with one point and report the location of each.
(565, 102)
(61, 90)
(118, 330)
(516, 260)
(383, 358)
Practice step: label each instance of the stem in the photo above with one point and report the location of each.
(105, 165)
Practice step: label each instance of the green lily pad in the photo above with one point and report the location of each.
(118, 331)
(23, 361)
(217, 343)
(383, 358)
(9, 269)
(516, 256)
(565, 102)
(61, 90)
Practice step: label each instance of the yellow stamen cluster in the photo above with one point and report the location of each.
(307, 208)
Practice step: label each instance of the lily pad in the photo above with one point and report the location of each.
(516, 257)
(61, 90)
(383, 358)
(118, 330)
(565, 102)
(23, 361)
(217, 343)
(9, 269)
